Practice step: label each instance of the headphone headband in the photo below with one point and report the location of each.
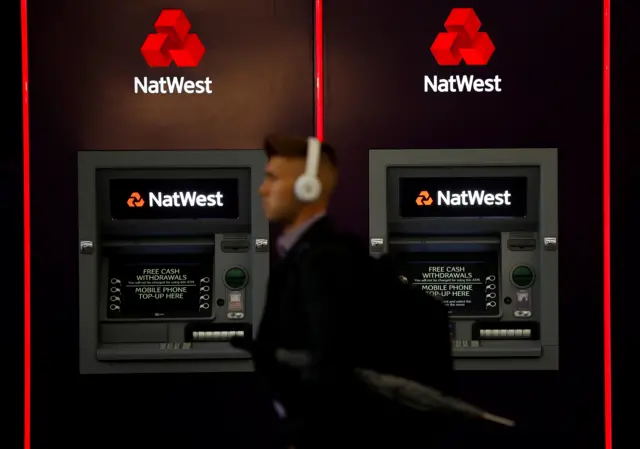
(314, 152)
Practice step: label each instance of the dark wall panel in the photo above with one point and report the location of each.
(548, 55)
(83, 57)
(258, 55)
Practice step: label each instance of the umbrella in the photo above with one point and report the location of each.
(407, 392)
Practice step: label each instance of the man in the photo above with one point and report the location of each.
(308, 293)
(317, 301)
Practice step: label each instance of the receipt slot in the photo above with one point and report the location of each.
(477, 229)
(173, 259)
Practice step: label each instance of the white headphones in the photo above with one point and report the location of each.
(308, 187)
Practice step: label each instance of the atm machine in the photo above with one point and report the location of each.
(174, 259)
(477, 229)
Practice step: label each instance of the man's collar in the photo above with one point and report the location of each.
(287, 241)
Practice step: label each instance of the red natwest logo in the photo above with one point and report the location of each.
(462, 41)
(172, 42)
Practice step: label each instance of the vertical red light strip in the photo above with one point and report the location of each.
(27, 225)
(319, 71)
(606, 202)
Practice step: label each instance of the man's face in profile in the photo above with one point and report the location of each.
(278, 199)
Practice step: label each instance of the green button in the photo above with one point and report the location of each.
(235, 278)
(522, 276)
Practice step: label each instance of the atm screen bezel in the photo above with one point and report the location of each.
(104, 296)
(205, 263)
(489, 258)
(453, 225)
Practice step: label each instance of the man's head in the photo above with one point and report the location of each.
(287, 160)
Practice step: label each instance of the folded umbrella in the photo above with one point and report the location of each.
(407, 392)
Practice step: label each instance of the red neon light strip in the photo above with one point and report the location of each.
(606, 212)
(27, 226)
(319, 71)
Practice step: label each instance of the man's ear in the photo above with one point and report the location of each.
(328, 177)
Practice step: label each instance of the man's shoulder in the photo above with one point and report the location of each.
(330, 239)
(337, 249)
(323, 242)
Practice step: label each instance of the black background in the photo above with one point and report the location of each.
(410, 188)
(120, 190)
(573, 52)
(624, 278)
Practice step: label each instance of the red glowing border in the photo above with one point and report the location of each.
(319, 125)
(319, 71)
(27, 223)
(606, 222)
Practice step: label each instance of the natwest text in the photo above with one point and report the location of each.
(171, 85)
(462, 83)
(185, 199)
(474, 198)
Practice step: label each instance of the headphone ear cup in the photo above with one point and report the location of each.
(307, 188)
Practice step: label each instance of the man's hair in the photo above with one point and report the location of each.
(295, 147)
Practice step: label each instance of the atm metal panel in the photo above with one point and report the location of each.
(529, 240)
(100, 338)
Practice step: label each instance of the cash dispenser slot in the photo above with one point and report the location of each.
(169, 351)
(443, 244)
(118, 333)
(496, 349)
(159, 246)
(521, 244)
(235, 245)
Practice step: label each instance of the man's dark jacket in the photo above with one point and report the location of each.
(319, 299)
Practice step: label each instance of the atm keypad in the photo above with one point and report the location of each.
(505, 333)
(216, 335)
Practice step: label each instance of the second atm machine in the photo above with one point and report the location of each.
(478, 229)
(173, 259)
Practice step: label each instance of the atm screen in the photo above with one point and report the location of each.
(466, 283)
(159, 287)
(174, 198)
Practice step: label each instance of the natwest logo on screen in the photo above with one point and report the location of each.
(464, 198)
(176, 199)
(172, 43)
(462, 42)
